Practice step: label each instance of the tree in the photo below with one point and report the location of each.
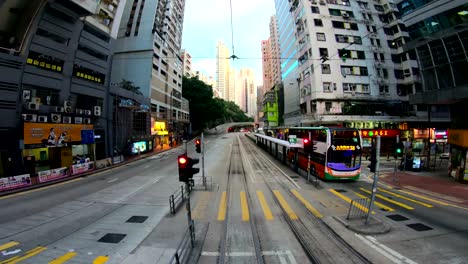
(129, 86)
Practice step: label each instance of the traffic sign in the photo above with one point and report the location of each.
(87, 136)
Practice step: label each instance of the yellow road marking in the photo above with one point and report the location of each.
(359, 206)
(292, 215)
(39, 189)
(64, 258)
(406, 198)
(28, 254)
(8, 245)
(389, 209)
(222, 207)
(202, 204)
(244, 206)
(265, 207)
(388, 200)
(101, 260)
(306, 204)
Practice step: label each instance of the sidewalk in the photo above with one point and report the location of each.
(436, 184)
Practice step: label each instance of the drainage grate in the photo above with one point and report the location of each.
(419, 227)
(397, 217)
(112, 238)
(340, 190)
(137, 219)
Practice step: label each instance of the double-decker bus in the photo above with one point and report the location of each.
(335, 153)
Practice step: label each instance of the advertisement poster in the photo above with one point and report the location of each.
(50, 175)
(53, 135)
(15, 182)
(82, 167)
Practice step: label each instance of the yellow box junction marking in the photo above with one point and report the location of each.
(244, 206)
(406, 198)
(389, 200)
(28, 254)
(101, 260)
(8, 245)
(292, 215)
(306, 204)
(202, 204)
(389, 209)
(222, 207)
(265, 207)
(64, 258)
(359, 206)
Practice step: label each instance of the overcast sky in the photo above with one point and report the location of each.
(208, 21)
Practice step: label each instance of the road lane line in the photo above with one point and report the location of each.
(391, 251)
(359, 206)
(424, 197)
(8, 245)
(113, 180)
(265, 207)
(389, 200)
(292, 215)
(383, 206)
(381, 251)
(64, 258)
(28, 254)
(39, 189)
(406, 198)
(222, 207)
(101, 260)
(306, 204)
(244, 206)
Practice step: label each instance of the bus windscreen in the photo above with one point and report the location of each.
(345, 152)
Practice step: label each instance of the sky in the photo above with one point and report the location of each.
(208, 21)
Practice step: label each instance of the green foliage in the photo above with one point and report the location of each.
(128, 85)
(207, 111)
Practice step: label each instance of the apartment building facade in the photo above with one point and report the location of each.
(55, 63)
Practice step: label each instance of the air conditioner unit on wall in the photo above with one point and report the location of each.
(79, 111)
(42, 119)
(67, 104)
(78, 120)
(87, 121)
(67, 119)
(33, 106)
(56, 118)
(97, 110)
(36, 100)
(59, 109)
(68, 109)
(87, 112)
(30, 117)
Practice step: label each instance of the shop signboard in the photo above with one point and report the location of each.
(53, 135)
(82, 167)
(458, 137)
(50, 175)
(14, 182)
(370, 133)
(87, 136)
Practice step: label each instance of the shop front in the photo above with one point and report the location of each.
(51, 150)
(388, 138)
(160, 132)
(458, 165)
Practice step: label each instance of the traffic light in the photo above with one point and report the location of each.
(399, 149)
(373, 160)
(308, 148)
(186, 169)
(198, 145)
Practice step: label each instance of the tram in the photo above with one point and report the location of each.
(334, 153)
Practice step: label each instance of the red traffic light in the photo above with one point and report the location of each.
(197, 141)
(306, 141)
(182, 160)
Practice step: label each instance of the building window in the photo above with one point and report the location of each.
(349, 87)
(321, 36)
(323, 52)
(327, 87)
(326, 69)
(328, 106)
(383, 89)
(318, 22)
(315, 10)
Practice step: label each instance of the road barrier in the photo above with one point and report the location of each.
(359, 208)
(176, 199)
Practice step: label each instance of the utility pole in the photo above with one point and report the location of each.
(376, 178)
(203, 159)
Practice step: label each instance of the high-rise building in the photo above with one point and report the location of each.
(55, 60)
(224, 77)
(350, 70)
(275, 71)
(439, 39)
(148, 54)
(246, 96)
(267, 65)
(187, 63)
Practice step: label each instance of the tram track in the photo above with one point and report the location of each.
(319, 241)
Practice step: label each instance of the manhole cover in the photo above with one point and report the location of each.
(419, 227)
(397, 217)
(340, 190)
(112, 238)
(137, 219)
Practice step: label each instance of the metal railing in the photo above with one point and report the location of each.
(176, 199)
(198, 183)
(359, 208)
(185, 246)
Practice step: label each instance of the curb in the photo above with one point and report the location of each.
(379, 226)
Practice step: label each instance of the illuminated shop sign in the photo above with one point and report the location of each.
(88, 74)
(380, 132)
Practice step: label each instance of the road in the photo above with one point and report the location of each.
(256, 211)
